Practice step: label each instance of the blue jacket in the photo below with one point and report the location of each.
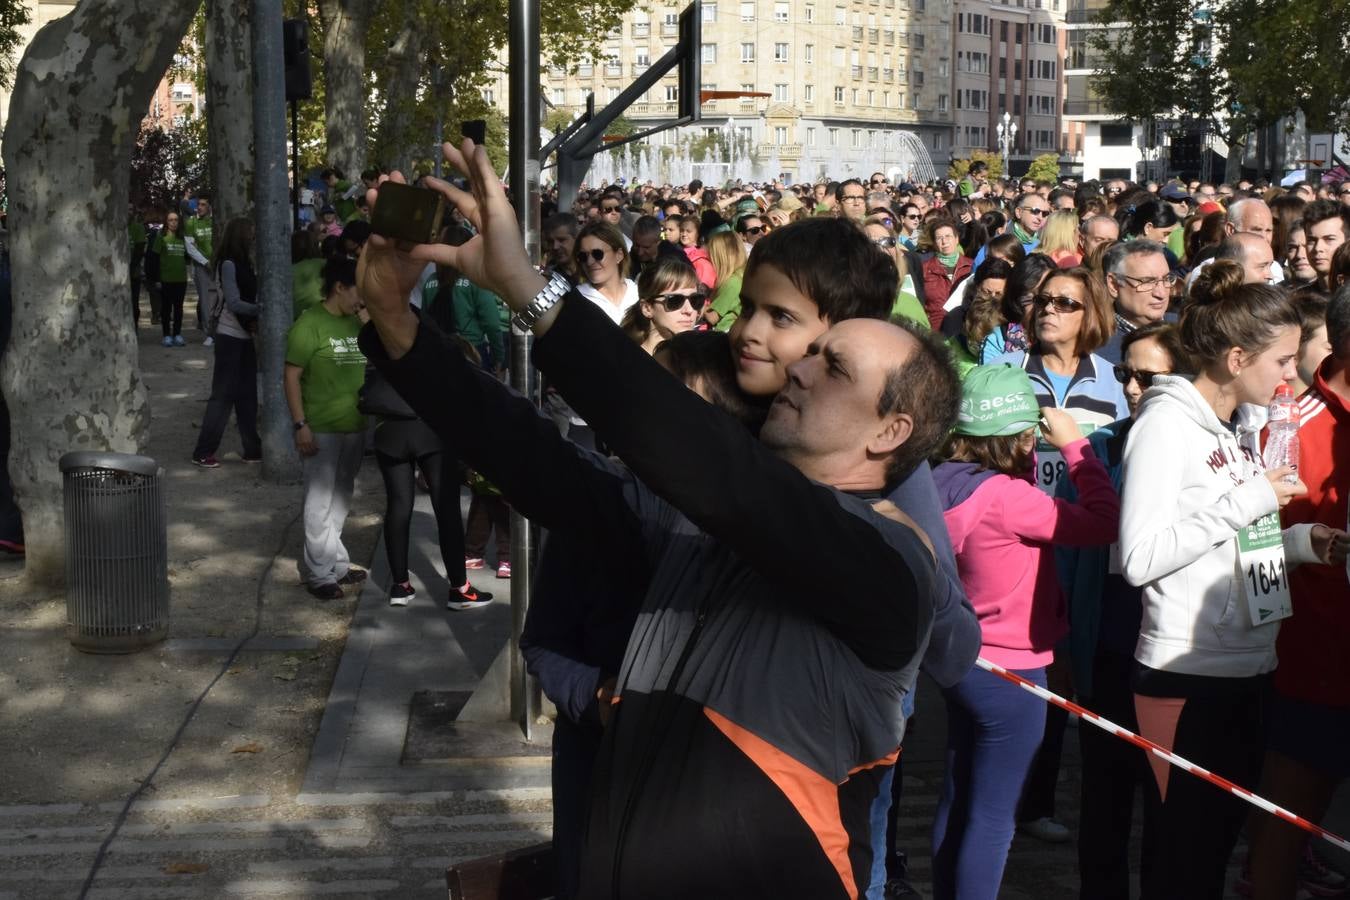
(1094, 398)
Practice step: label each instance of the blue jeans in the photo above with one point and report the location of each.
(881, 807)
(993, 731)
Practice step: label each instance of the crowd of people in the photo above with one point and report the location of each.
(909, 425)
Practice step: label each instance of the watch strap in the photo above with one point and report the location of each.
(546, 299)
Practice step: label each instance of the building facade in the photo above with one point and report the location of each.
(1112, 147)
(1008, 59)
(854, 86)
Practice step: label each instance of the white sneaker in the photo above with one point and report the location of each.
(210, 341)
(167, 342)
(400, 594)
(1046, 829)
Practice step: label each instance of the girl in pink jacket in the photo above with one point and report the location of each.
(1004, 529)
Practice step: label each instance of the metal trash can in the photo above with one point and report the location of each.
(117, 580)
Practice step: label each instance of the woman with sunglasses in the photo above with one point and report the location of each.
(672, 299)
(602, 264)
(946, 268)
(908, 300)
(727, 253)
(1200, 533)
(1104, 616)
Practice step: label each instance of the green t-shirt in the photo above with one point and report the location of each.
(478, 319)
(907, 305)
(199, 230)
(172, 252)
(1176, 242)
(306, 285)
(136, 233)
(344, 206)
(324, 346)
(726, 301)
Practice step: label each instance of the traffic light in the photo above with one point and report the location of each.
(295, 48)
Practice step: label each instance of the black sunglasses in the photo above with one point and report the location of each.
(596, 254)
(886, 243)
(757, 229)
(610, 209)
(1061, 304)
(673, 302)
(1036, 210)
(1124, 375)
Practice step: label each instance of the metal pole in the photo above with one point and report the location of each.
(523, 25)
(439, 136)
(273, 241)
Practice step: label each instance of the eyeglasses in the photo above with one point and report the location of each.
(610, 209)
(1343, 193)
(913, 216)
(1125, 375)
(1144, 285)
(1060, 304)
(1034, 210)
(597, 254)
(859, 198)
(878, 182)
(756, 229)
(887, 221)
(673, 302)
(1114, 190)
(886, 243)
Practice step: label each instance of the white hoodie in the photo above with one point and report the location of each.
(1188, 485)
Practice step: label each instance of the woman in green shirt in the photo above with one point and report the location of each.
(173, 276)
(324, 373)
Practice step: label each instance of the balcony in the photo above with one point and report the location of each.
(857, 72)
(871, 73)
(873, 35)
(857, 33)
(642, 29)
(640, 67)
(655, 109)
(890, 38)
(888, 75)
(613, 70)
(1086, 108)
(585, 70)
(670, 29)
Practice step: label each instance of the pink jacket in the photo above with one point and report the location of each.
(1004, 531)
(703, 267)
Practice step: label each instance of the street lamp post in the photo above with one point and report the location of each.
(1007, 134)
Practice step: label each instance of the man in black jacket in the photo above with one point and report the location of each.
(761, 690)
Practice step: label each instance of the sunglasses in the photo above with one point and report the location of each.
(886, 243)
(756, 229)
(913, 216)
(610, 209)
(1060, 304)
(859, 198)
(673, 302)
(1035, 210)
(597, 254)
(1125, 375)
(887, 221)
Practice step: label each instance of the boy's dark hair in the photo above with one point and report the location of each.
(927, 387)
(1321, 210)
(831, 261)
(978, 166)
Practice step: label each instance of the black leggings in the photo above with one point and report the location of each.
(171, 307)
(400, 485)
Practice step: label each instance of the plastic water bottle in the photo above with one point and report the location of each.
(1282, 437)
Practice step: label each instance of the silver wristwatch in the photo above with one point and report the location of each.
(555, 290)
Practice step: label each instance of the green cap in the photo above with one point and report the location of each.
(996, 401)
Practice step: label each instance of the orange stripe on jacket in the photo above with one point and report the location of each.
(814, 796)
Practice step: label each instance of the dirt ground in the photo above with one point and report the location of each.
(76, 727)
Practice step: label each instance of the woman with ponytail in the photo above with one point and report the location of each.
(1200, 534)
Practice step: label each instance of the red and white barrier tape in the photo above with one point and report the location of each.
(1162, 752)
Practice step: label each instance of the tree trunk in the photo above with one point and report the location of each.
(229, 108)
(400, 90)
(344, 67)
(71, 375)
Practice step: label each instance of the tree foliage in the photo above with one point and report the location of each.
(14, 15)
(1226, 65)
(1044, 168)
(165, 162)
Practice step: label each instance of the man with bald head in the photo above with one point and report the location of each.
(1097, 230)
(717, 712)
(1251, 215)
(1252, 253)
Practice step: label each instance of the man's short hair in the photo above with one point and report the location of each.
(561, 220)
(831, 261)
(1338, 322)
(839, 188)
(1113, 260)
(646, 226)
(1321, 210)
(926, 387)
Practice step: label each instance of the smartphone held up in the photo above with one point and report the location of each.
(408, 214)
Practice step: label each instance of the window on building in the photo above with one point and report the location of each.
(857, 137)
(1003, 32)
(782, 93)
(642, 59)
(942, 103)
(747, 53)
(488, 97)
(1021, 32)
(942, 68)
(747, 12)
(780, 136)
(709, 15)
(810, 13)
(810, 137)
(710, 54)
(838, 95)
(611, 94)
(780, 52)
(840, 16)
(1114, 135)
(780, 12)
(808, 93)
(672, 93)
(871, 98)
(809, 54)
(916, 41)
(834, 137)
(1017, 70)
(837, 57)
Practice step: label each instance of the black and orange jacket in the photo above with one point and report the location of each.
(783, 623)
